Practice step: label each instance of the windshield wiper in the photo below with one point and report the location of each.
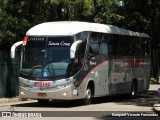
(33, 69)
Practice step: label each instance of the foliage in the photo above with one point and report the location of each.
(13, 24)
(17, 16)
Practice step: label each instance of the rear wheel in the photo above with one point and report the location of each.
(88, 97)
(43, 101)
(133, 90)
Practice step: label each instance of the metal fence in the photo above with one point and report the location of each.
(8, 74)
(155, 63)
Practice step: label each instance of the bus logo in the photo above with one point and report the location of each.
(62, 43)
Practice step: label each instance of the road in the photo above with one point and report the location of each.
(102, 108)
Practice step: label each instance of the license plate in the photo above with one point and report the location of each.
(42, 84)
(41, 94)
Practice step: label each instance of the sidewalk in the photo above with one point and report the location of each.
(156, 107)
(12, 100)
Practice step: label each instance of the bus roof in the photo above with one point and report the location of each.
(65, 28)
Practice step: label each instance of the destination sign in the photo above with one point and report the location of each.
(59, 42)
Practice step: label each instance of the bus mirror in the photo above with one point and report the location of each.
(73, 48)
(13, 48)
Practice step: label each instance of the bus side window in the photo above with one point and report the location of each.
(94, 44)
(82, 36)
(108, 39)
(114, 44)
(145, 47)
(130, 46)
(103, 45)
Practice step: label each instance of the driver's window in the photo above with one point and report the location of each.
(79, 57)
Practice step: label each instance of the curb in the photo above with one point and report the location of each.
(11, 100)
(155, 81)
(156, 108)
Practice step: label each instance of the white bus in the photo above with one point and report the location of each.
(71, 60)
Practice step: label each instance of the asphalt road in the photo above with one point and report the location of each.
(110, 107)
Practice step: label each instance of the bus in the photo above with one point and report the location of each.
(70, 60)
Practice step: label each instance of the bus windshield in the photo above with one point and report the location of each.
(46, 57)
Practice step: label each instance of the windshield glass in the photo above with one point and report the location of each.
(46, 57)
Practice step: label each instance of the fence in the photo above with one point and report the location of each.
(8, 74)
(155, 58)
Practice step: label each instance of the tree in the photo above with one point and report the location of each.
(17, 16)
(12, 25)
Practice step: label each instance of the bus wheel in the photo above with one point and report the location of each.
(133, 90)
(88, 97)
(43, 101)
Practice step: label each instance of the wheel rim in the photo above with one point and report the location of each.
(133, 92)
(88, 94)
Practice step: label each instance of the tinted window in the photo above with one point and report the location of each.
(94, 43)
(103, 45)
(82, 36)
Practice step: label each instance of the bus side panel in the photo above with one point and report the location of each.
(120, 77)
(143, 76)
(98, 73)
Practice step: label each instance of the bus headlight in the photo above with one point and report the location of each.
(23, 84)
(64, 94)
(22, 93)
(65, 84)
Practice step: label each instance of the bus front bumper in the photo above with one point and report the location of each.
(66, 93)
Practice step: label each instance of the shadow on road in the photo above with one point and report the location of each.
(148, 98)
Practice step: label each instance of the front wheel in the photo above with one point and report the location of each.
(88, 97)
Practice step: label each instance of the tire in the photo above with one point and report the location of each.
(133, 90)
(89, 95)
(43, 101)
